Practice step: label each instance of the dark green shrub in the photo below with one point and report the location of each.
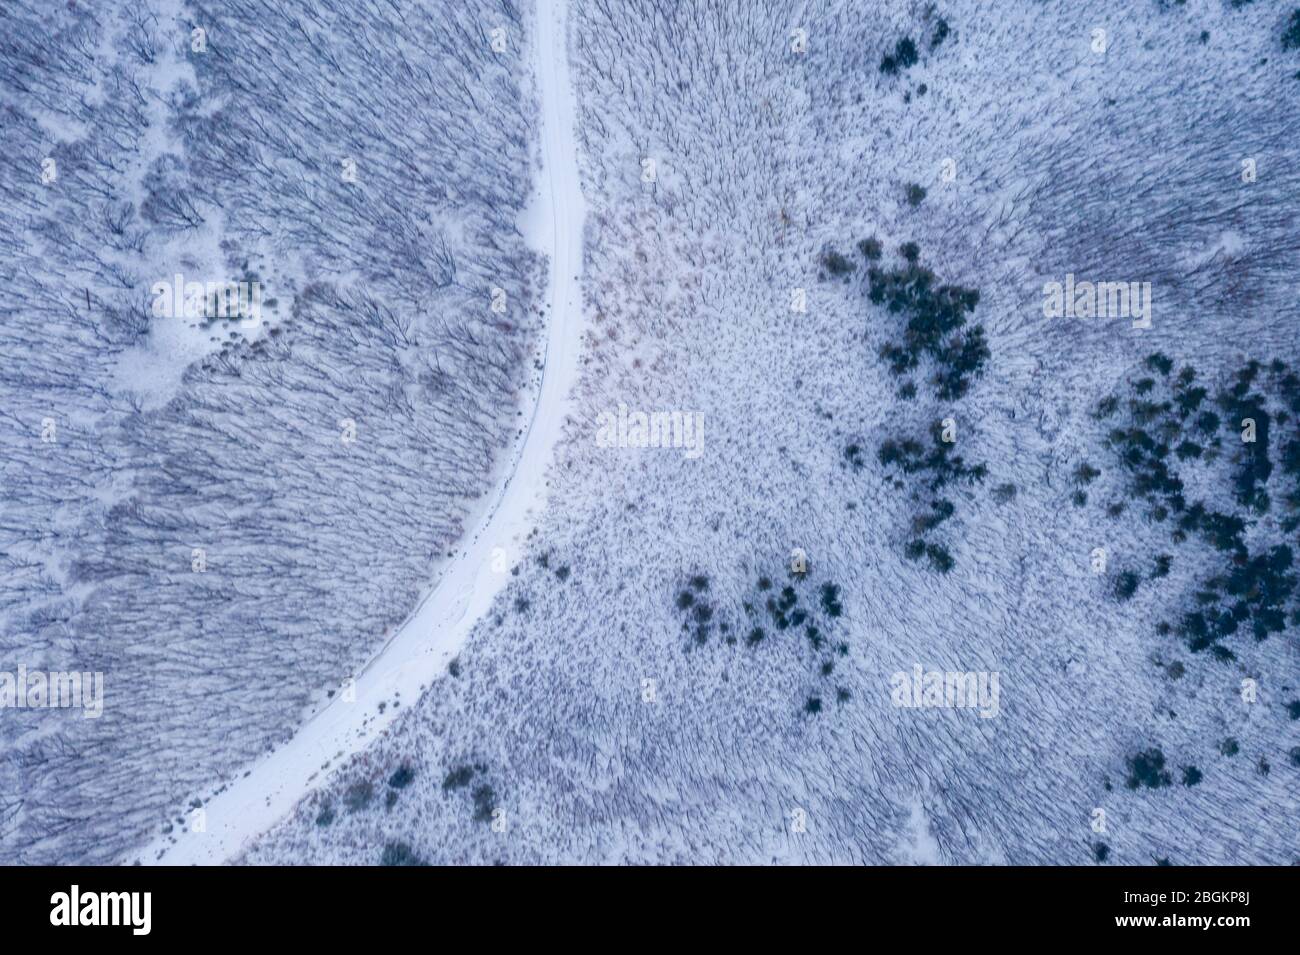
(837, 264)
(830, 598)
(940, 34)
(1147, 769)
(458, 778)
(871, 249)
(399, 853)
(402, 777)
(1291, 35)
(1085, 473)
(905, 53)
(1159, 362)
(1126, 585)
(485, 802)
(940, 559)
(358, 796)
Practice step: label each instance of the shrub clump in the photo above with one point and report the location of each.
(457, 778)
(940, 466)
(399, 853)
(871, 249)
(941, 31)
(1148, 769)
(697, 612)
(358, 796)
(903, 57)
(402, 777)
(837, 264)
(1171, 424)
(830, 594)
(788, 615)
(485, 802)
(936, 325)
(1291, 35)
(1126, 585)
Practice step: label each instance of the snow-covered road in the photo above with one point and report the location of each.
(421, 648)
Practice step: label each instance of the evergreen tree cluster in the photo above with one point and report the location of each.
(771, 616)
(936, 328)
(1172, 423)
(904, 57)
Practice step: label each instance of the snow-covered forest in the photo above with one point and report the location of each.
(226, 517)
(642, 693)
(825, 232)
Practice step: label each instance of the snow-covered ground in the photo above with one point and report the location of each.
(421, 648)
(229, 531)
(609, 659)
(589, 720)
